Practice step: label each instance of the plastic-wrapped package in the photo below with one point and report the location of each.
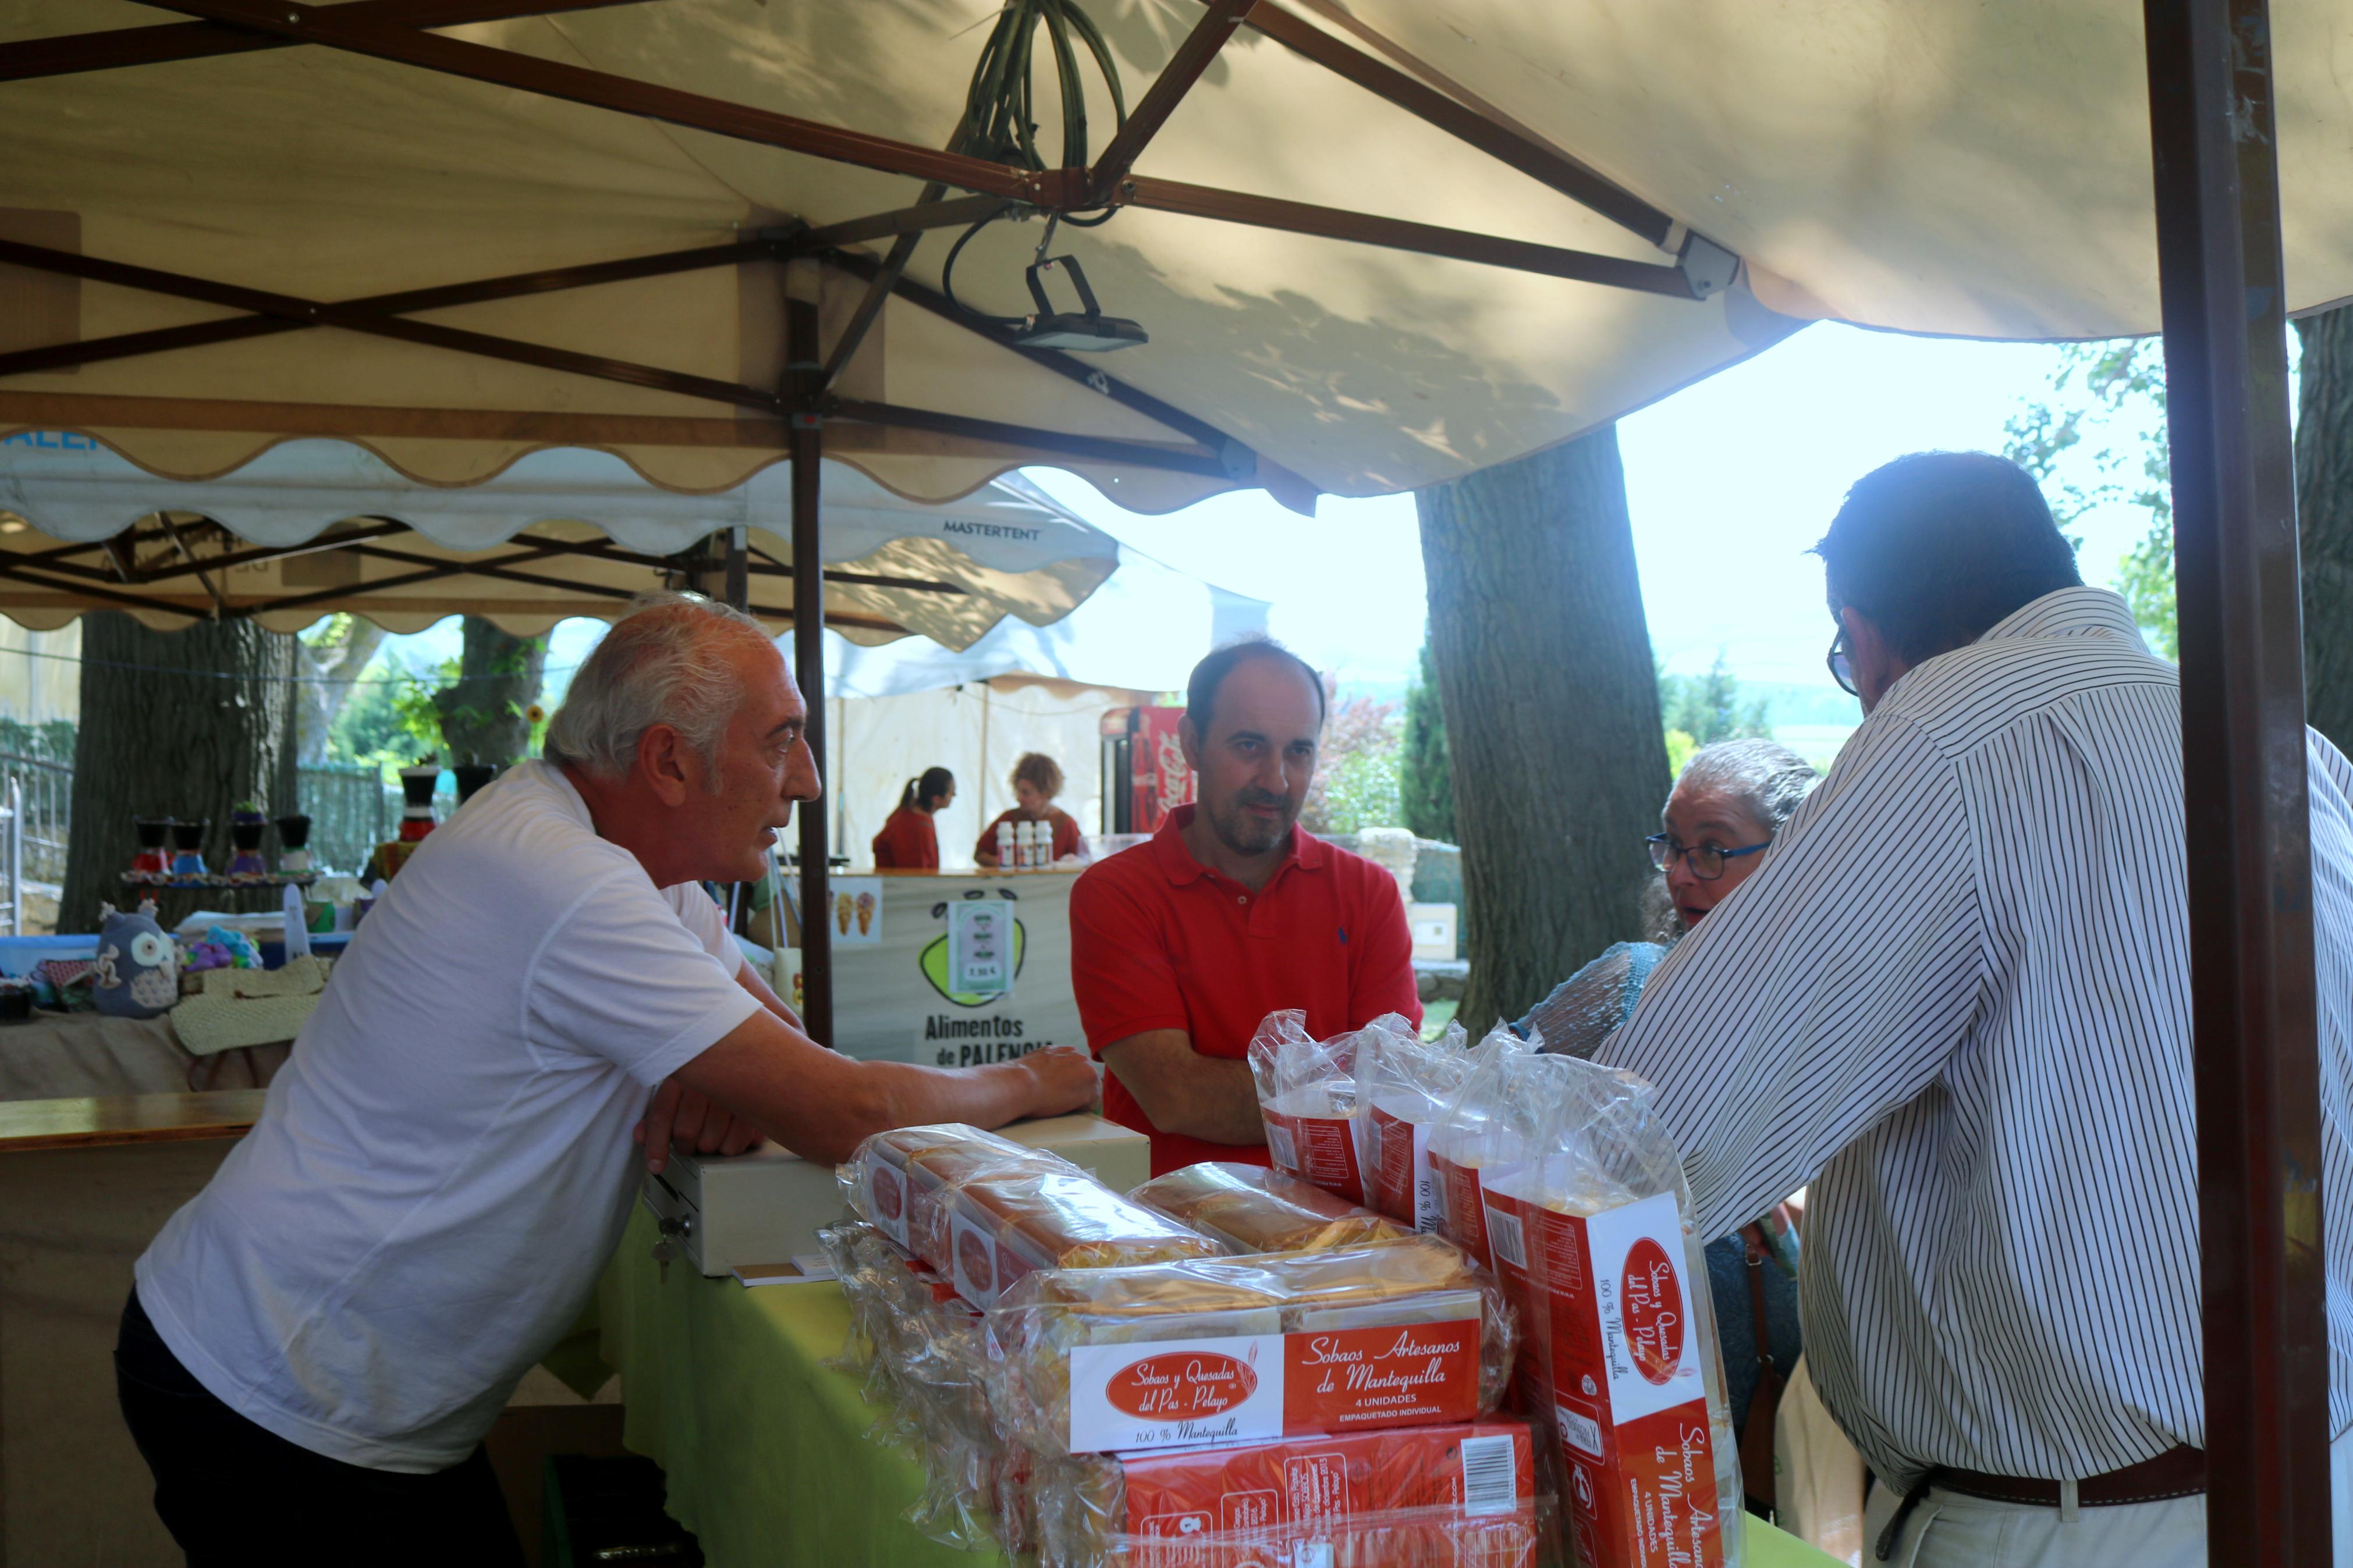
(894, 1179)
(1483, 1128)
(1308, 1096)
(1002, 1223)
(1251, 1209)
(928, 1362)
(1621, 1314)
(1406, 1085)
(1402, 1332)
(1459, 1496)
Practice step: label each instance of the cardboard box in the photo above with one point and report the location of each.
(767, 1207)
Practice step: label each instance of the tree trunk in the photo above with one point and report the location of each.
(187, 723)
(2324, 504)
(332, 666)
(482, 718)
(1552, 714)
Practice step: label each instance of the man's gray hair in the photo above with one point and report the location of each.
(1764, 777)
(665, 662)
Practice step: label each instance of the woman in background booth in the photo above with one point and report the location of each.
(1725, 809)
(910, 841)
(1036, 780)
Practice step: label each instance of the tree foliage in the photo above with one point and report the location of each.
(1425, 775)
(2120, 387)
(1356, 773)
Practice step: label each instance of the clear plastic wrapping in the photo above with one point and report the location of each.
(894, 1178)
(1308, 1096)
(1456, 1496)
(1250, 1209)
(926, 1363)
(1397, 1333)
(1405, 1085)
(1580, 1201)
(984, 1211)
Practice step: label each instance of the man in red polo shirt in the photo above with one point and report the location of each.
(1180, 946)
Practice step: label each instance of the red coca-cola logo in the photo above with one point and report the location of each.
(1182, 1386)
(1653, 1301)
(890, 1200)
(979, 1267)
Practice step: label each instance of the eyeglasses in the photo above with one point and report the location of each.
(1707, 859)
(1841, 667)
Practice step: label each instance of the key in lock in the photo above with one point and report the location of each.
(666, 1248)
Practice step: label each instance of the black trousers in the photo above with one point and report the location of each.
(233, 1493)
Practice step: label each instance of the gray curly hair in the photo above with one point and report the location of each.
(1765, 778)
(665, 662)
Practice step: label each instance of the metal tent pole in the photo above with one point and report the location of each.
(804, 373)
(2257, 1054)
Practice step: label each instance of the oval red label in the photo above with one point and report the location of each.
(889, 1201)
(979, 1269)
(1182, 1386)
(1653, 1310)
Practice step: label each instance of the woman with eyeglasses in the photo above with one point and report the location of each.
(1721, 816)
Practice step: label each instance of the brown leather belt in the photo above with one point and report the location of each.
(2176, 1472)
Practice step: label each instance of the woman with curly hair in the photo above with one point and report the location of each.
(1036, 781)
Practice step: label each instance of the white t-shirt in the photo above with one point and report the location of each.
(445, 1163)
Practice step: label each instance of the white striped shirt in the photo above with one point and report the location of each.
(1956, 998)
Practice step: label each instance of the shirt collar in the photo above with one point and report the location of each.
(2070, 612)
(1308, 852)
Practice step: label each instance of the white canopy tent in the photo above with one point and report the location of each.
(1374, 244)
(313, 527)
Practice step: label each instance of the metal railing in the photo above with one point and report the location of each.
(43, 817)
(352, 810)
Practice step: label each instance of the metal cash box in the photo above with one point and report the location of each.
(767, 1207)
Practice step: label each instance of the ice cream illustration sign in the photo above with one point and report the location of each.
(857, 911)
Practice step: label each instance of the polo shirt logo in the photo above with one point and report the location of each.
(1344, 936)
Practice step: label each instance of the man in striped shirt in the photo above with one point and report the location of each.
(1956, 998)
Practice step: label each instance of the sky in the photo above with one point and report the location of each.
(1729, 483)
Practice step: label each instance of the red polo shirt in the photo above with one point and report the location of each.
(909, 842)
(1160, 942)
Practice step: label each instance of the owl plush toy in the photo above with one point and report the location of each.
(138, 970)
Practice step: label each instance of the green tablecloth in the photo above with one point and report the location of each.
(765, 1448)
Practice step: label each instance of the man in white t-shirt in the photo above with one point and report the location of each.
(317, 1343)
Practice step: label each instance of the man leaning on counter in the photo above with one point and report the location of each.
(317, 1343)
(1181, 945)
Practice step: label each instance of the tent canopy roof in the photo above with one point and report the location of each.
(1376, 246)
(310, 528)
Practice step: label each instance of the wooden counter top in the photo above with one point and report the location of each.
(26, 1124)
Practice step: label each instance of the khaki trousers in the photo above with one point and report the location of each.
(1949, 1531)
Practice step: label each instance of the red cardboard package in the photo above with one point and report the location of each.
(1431, 1496)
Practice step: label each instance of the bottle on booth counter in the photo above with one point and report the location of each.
(1007, 857)
(1025, 834)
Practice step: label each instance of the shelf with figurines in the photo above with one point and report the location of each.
(183, 864)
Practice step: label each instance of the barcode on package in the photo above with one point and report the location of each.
(1503, 1237)
(1490, 1476)
(1285, 1152)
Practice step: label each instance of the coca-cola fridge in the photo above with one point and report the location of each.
(1144, 773)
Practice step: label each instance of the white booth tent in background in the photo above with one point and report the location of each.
(309, 528)
(901, 707)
